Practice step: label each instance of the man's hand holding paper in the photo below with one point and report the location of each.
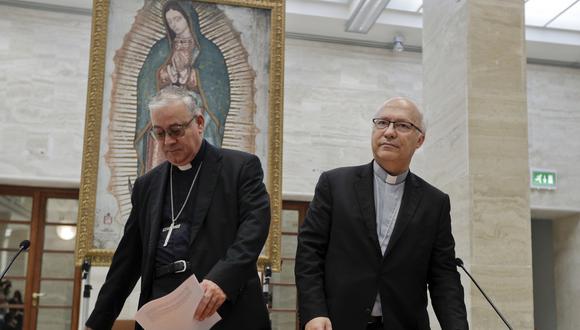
(213, 298)
(176, 310)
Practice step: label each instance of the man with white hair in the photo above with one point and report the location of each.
(376, 236)
(204, 211)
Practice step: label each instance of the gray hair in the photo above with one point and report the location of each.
(171, 94)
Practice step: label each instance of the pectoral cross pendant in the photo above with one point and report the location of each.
(170, 228)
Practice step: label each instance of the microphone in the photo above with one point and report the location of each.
(24, 245)
(459, 263)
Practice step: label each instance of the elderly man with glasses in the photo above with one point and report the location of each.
(205, 211)
(376, 236)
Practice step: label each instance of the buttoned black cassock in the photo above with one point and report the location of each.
(234, 206)
(340, 267)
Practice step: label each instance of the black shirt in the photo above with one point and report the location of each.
(179, 243)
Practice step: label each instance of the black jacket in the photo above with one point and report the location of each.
(340, 268)
(234, 205)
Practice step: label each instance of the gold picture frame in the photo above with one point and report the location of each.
(112, 93)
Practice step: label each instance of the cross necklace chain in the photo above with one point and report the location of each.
(174, 218)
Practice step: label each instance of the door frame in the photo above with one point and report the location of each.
(40, 196)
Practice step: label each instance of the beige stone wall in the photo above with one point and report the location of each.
(554, 115)
(446, 146)
(331, 93)
(43, 79)
(566, 236)
(554, 119)
(474, 83)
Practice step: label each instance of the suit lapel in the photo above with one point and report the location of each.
(212, 165)
(364, 188)
(409, 204)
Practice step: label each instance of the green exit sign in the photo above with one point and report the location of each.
(542, 179)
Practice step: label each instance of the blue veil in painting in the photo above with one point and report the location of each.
(193, 62)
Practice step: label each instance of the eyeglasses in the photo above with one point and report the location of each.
(175, 131)
(400, 126)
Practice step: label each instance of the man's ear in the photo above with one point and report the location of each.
(420, 141)
(200, 121)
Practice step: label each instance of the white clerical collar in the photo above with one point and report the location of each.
(184, 167)
(386, 177)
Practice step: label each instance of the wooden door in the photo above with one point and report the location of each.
(283, 312)
(38, 289)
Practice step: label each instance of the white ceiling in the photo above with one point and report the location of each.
(556, 14)
(552, 26)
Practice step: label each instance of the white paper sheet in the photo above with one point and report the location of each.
(175, 310)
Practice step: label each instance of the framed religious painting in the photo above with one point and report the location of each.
(227, 54)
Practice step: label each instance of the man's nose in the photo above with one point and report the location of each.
(168, 139)
(390, 130)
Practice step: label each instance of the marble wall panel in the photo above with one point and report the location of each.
(506, 287)
(554, 118)
(43, 75)
(566, 236)
(445, 157)
(500, 235)
(498, 140)
(331, 94)
(486, 82)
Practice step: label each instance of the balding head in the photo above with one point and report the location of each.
(406, 104)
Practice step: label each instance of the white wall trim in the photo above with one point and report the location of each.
(297, 197)
(44, 182)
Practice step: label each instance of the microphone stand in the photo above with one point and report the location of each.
(266, 293)
(459, 263)
(86, 276)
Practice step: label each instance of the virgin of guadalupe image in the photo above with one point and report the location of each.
(191, 44)
(178, 69)
(187, 59)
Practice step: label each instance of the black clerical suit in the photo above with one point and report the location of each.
(340, 267)
(233, 207)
